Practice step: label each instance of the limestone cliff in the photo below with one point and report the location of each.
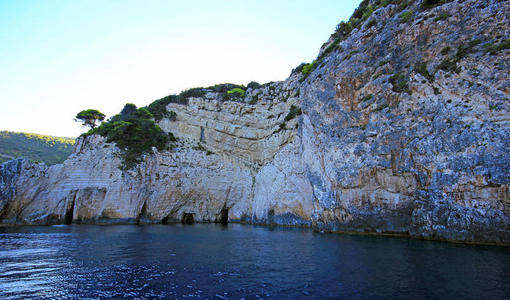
(404, 129)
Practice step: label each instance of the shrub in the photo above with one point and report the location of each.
(379, 108)
(253, 85)
(235, 93)
(450, 65)
(294, 112)
(224, 87)
(445, 50)
(254, 100)
(371, 23)
(494, 49)
(399, 82)
(442, 16)
(367, 97)
(382, 63)
(299, 69)
(421, 68)
(158, 107)
(135, 133)
(406, 16)
(307, 69)
(172, 116)
(331, 47)
(350, 54)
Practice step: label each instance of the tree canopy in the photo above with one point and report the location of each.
(135, 133)
(90, 117)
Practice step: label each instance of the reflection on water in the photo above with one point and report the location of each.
(236, 261)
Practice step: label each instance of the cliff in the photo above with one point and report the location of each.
(404, 128)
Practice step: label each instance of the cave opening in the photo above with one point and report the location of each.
(142, 214)
(68, 218)
(188, 218)
(223, 218)
(166, 220)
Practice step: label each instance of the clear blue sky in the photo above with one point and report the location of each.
(59, 57)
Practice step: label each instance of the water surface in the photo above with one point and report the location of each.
(240, 261)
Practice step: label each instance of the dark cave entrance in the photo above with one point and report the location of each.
(142, 214)
(166, 220)
(223, 217)
(68, 218)
(188, 218)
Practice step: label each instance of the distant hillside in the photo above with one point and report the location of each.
(36, 147)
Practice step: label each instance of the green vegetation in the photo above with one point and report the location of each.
(344, 29)
(35, 147)
(406, 16)
(450, 65)
(253, 85)
(135, 133)
(445, 50)
(494, 49)
(158, 107)
(442, 16)
(332, 46)
(383, 62)
(379, 108)
(293, 112)
(350, 54)
(172, 116)
(90, 117)
(235, 93)
(371, 23)
(399, 82)
(367, 97)
(254, 100)
(421, 68)
(307, 68)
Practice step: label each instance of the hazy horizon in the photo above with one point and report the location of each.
(62, 57)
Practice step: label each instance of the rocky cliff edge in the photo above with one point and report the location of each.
(403, 128)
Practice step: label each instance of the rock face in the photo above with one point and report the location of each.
(404, 129)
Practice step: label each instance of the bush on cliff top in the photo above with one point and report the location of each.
(134, 132)
(235, 93)
(158, 107)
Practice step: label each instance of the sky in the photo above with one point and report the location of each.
(60, 57)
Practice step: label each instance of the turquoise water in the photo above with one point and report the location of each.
(240, 261)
